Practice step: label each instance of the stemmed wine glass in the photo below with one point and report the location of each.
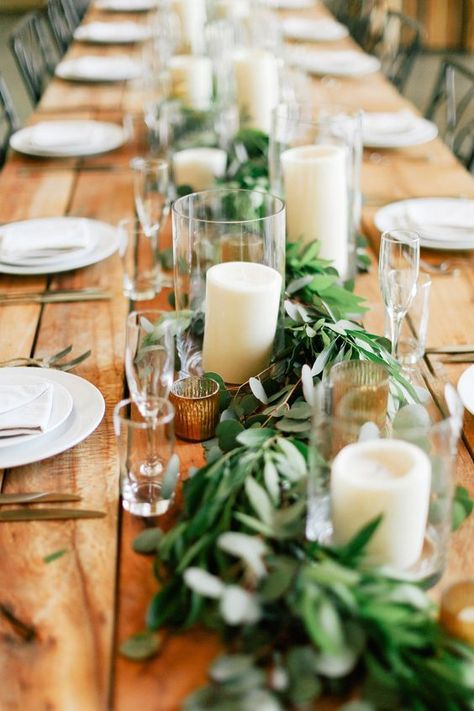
(399, 265)
(149, 368)
(151, 191)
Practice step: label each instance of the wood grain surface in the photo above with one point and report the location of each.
(61, 623)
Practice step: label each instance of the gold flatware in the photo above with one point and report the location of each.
(36, 497)
(53, 297)
(51, 361)
(459, 358)
(452, 349)
(48, 514)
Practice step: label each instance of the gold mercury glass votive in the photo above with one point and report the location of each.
(457, 610)
(360, 391)
(196, 402)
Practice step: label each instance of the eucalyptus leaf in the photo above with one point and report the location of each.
(148, 541)
(239, 607)
(203, 582)
(258, 390)
(170, 477)
(141, 646)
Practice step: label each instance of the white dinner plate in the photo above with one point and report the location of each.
(338, 63)
(104, 240)
(306, 30)
(430, 218)
(98, 69)
(112, 32)
(60, 410)
(417, 131)
(93, 137)
(126, 5)
(291, 4)
(86, 414)
(466, 389)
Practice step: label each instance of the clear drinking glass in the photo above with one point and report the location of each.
(210, 228)
(149, 359)
(414, 328)
(151, 191)
(145, 449)
(314, 163)
(399, 264)
(139, 254)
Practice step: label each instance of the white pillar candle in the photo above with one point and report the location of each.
(191, 80)
(388, 477)
(242, 305)
(256, 80)
(315, 186)
(192, 18)
(198, 167)
(232, 9)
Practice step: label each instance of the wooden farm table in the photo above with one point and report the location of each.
(61, 623)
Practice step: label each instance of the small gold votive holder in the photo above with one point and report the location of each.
(457, 610)
(359, 391)
(196, 403)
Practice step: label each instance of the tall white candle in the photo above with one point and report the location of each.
(256, 80)
(192, 18)
(388, 477)
(232, 9)
(191, 80)
(315, 186)
(199, 167)
(242, 305)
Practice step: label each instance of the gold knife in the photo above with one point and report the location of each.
(36, 497)
(48, 514)
(467, 348)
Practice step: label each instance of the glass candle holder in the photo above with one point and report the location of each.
(457, 610)
(405, 474)
(359, 391)
(196, 403)
(314, 162)
(229, 252)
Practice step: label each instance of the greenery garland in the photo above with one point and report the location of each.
(299, 619)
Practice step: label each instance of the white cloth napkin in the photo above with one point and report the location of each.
(126, 5)
(37, 243)
(52, 135)
(105, 67)
(112, 31)
(437, 221)
(291, 4)
(338, 62)
(388, 123)
(25, 409)
(318, 30)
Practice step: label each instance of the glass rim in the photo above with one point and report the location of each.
(139, 162)
(226, 191)
(195, 397)
(336, 112)
(401, 236)
(144, 424)
(142, 312)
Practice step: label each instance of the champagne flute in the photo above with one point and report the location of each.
(151, 191)
(399, 264)
(149, 359)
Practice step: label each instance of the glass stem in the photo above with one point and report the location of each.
(396, 325)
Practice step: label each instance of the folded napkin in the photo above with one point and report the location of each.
(105, 68)
(55, 135)
(439, 221)
(112, 31)
(343, 62)
(318, 30)
(388, 123)
(126, 5)
(25, 409)
(291, 4)
(37, 243)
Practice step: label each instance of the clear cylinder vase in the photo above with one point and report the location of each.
(314, 164)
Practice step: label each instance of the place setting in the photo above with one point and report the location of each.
(68, 138)
(308, 30)
(126, 5)
(99, 69)
(338, 63)
(54, 244)
(397, 129)
(119, 32)
(44, 412)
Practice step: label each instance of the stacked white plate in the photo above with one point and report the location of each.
(54, 244)
(291, 4)
(66, 139)
(442, 223)
(77, 409)
(112, 32)
(98, 69)
(397, 129)
(466, 389)
(126, 5)
(307, 30)
(342, 63)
